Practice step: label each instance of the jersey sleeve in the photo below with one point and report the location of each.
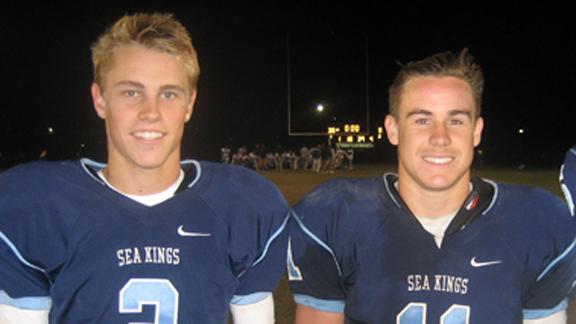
(256, 215)
(23, 281)
(326, 235)
(32, 240)
(314, 272)
(568, 178)
(552, 255)
(265, 246)
(554, 285)
(22, 284)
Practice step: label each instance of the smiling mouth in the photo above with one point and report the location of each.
(148, 135)
(438, 160)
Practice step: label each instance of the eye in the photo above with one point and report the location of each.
(169, 95)
(455, 122)
(131, 93)
(422, 121)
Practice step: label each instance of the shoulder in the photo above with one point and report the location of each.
(348, 208)
(41, 176)
(568, 178)
(51, 191)
(41, 203)
(532, 215)
(531, 201)
(570, 158)
(31, 169)
(343, 191)
(237, 180)
(225, 187)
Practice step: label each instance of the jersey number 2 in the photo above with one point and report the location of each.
(157, 292)
(415, 313)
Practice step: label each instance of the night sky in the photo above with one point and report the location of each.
(341, 55)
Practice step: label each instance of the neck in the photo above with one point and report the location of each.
(433, 203)
(139, 181)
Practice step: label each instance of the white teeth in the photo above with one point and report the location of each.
(148, 135)
(442, 160)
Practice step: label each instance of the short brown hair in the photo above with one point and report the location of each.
(158, 31)
(459, 65)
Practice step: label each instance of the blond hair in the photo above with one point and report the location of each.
(459, 65)
(157, 31)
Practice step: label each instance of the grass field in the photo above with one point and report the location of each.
(295, 184)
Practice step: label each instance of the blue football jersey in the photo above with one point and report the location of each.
(568, 178)
(69, 242)
(507, 254)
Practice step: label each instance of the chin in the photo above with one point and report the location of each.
(149, 163)
(439, 183)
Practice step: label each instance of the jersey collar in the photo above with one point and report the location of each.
(192, 171)
(479, 201)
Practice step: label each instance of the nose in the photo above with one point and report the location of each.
(150, 111)
(440, 135)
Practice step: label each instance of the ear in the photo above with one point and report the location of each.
(391, 129)
(98, 99)
(478, 127)
(190, 106)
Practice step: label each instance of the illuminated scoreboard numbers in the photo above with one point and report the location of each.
(350, 136)
(348, 129)
(352, 128)
(333, 130)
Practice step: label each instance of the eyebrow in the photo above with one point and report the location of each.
(130, 84)
(172, 87)
(139, 85)
(419, 112)
(457, 112)
(454, 112)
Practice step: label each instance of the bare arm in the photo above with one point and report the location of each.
(14, 315)
(261, 312)
(556, 318)
(308, 315)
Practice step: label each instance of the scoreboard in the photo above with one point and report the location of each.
(351, 135)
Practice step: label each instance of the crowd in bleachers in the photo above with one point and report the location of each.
(318, 159)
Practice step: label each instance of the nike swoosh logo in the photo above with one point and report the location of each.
(483, 264)
(182, 232)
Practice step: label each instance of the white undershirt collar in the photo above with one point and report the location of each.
(437, 226)
(153, 199)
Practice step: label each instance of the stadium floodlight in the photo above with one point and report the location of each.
(309, 83)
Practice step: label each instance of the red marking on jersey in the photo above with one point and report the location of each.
(473, 203)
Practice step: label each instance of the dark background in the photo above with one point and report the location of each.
(343, 55)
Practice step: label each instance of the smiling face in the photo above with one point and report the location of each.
(145, 100)
(435, 133)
